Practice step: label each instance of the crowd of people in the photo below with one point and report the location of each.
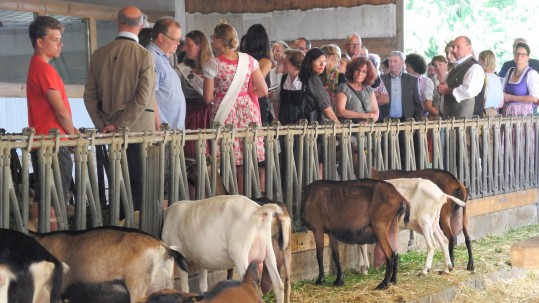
(193, 81)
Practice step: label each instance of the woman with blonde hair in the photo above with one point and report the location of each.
(332, 76)
(232, 80)
(198, 114)
(493, 84)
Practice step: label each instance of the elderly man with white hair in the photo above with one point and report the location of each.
(404, 100)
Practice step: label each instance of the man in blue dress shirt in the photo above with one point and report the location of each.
(166, 35)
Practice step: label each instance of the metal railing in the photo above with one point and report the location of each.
(491, 156)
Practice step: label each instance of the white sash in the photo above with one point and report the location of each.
(233, 91)
(193, 79)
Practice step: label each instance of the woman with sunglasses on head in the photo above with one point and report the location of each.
(316, 98)
(232, 81)
(197, 53)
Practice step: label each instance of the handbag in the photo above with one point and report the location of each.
(310, 111)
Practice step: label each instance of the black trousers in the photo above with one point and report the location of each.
(134, 165)
(66, 171)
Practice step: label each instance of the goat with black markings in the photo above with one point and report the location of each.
(30, 272)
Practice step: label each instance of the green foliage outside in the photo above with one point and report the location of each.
(490, 24)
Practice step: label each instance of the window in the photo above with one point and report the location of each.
(72, 65)
(16, 48)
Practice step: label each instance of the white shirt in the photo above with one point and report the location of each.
(493, 91)
(472, 84)
(128, 35)
(428, 93)
(288, 85)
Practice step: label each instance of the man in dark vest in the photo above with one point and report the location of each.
(463, 84)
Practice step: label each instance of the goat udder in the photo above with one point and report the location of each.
(257, 252)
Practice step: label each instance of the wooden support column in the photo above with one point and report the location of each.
(400, 25)
(92, 36)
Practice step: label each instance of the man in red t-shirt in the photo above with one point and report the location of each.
(48, 106)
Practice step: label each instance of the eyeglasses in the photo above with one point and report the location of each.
(353, 44)
(213, 37)
(521, 54)
(320, 62)
(177, 41)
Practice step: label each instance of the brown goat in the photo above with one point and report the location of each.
(172, 296)
(453, 217)
(227, 291)
(355, 212)
(116, 255)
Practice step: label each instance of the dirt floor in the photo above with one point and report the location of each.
(491, 254)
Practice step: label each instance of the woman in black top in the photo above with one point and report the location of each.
(316, 98)
(256, 43)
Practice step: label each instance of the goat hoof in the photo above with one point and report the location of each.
(319, 281)
(383, 285)
(338, 282)
(470, 267)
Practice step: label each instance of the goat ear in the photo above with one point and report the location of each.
(65, 267)
(195, 298)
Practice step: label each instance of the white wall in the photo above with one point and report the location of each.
(369, 21)
(14, 114)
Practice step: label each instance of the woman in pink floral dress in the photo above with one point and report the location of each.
(218, 75)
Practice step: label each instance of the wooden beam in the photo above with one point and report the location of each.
(61, 8)
(264, 6)
(92, 29)
(68, 8)
(18, 90)
(400, 25)
(487, 205)
(302, 241)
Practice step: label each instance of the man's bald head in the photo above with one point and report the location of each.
(130, 19)
(462, 47)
